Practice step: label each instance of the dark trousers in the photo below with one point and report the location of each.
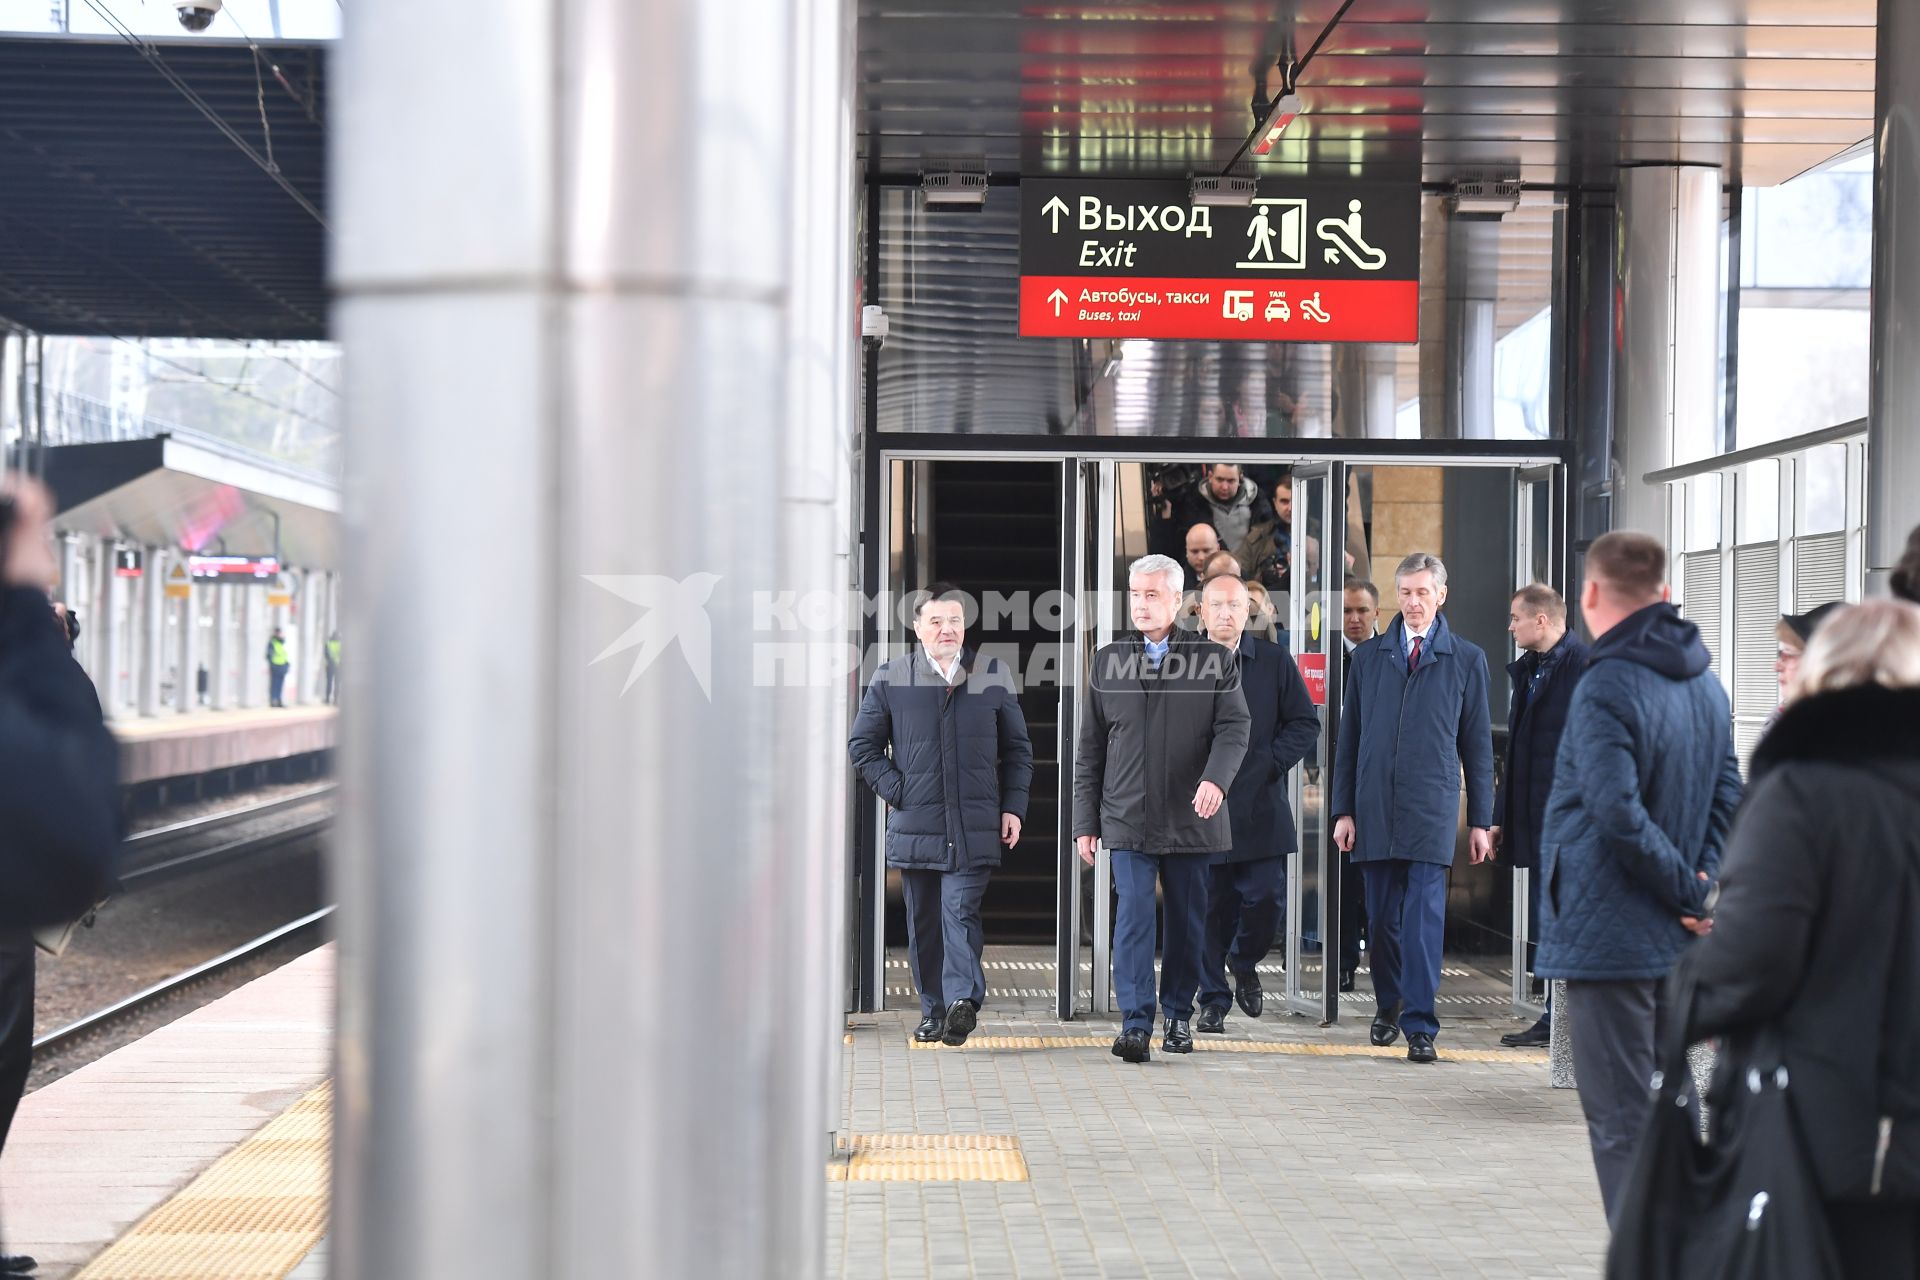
(1406, 929)
(277, 677)
(1616, 1028)
(1876, 1241)
(1182, 878)
(944, 936)
(1245, 901)
(16, 1023)
(1353, 913)
(333, 682)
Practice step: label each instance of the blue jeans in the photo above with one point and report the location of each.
(277, 677)
(1244, 906)
(1406, 931)
(1183, 884)
(944, 936)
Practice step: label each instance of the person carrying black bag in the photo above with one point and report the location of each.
(1811, 978)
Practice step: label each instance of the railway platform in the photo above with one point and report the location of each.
(202, 742)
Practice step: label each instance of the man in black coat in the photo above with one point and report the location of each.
(956, 789)
(1247, 894)
(1551, 662)
(1162, 735)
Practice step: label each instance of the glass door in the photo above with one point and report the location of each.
(1318, 557)
(1540, 547)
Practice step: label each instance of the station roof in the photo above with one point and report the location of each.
(197, 495)
(1551, 91)
(124, 210)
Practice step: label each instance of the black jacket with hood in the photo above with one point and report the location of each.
(1817, 932)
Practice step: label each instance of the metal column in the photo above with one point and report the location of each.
(219, 646)
(1669, 289)
(114, 652)
(1473, 292)
(253, 643)
(1893, 390)
(153, 629)
(550, 863)
(187, 692)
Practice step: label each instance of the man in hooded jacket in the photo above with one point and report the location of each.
(1644, 790)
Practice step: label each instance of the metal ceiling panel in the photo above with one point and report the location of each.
(125, 211)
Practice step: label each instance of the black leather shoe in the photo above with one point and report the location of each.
(16, 1264)
(1346, 979)
(1178, 1037)
(1537, 1036)
(961, 1021)
(1386, 1027)
(1212, 1019)
(1132, 1045)
(1247, 994)
(931, 1027)
(1420, 1047)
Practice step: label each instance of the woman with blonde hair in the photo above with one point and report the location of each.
(1816, 932)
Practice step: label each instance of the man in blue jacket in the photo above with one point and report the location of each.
(1247, 893)
(1415, 717)
(1552, 660)
(956, 790)
(1644, 791)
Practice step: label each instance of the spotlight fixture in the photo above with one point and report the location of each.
(954, 182)
(1485, 198)
(1221, 191)
(1279, 114)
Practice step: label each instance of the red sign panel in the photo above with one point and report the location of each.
(1299, 311)
(1313, 669)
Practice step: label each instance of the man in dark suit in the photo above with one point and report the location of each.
(1162, 736)
(1415, 714)
(956, 786)
(1246, 898)
(1359, 623)
(1550, 664)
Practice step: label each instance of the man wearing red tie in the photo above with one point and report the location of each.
(1415, 717)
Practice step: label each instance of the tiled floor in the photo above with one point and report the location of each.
(1221, 1164)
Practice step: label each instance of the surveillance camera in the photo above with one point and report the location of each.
(196, 15)
(873, 327)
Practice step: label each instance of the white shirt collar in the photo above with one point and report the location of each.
(949, 672)
(1421, 634)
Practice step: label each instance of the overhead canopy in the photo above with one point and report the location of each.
(195, 496)
(1551, 91)
(125, 211)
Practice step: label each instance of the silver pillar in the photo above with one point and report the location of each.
(544, 859)
(1893, 392)
(220, 647)
(1669, 289)
(253, 642)
(1473, 292)
(114, 655)
(153, 629)
(1365, 392)
(186, 695)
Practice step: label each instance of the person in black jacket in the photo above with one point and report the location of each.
(59, 784)
(956, 788)
(1162, 736)
(1551, 662)
(1246, 898)
(1816, 931)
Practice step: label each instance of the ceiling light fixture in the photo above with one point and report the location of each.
(955, 181)
(1491, 198)
(1282, 112)
(1221, 191)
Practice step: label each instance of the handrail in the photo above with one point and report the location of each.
(1759, 452)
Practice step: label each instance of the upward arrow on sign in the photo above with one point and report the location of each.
(1054, 209)
(1056, 298)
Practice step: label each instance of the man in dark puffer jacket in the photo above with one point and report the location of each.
(956, 786)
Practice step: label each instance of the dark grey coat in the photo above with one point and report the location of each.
(960, 758)
(1149, 739)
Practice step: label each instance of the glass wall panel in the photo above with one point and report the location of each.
(954, 361)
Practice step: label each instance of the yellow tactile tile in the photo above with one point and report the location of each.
(253, 1215)
(928, 1157)
(1508, 1056)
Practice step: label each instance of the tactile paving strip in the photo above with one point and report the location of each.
(253, 1215)
(928, 1157)
(1509, 1056)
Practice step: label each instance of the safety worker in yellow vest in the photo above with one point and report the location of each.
(333, 668)
(277, 666)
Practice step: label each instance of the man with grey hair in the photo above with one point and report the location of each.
(1415, 717)
(1162, 733)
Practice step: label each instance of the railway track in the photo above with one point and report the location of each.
(161, 853)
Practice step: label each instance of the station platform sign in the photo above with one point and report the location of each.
(1320, 260)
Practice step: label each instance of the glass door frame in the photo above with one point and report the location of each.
(1534, 488)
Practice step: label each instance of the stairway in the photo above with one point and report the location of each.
(996, 527)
